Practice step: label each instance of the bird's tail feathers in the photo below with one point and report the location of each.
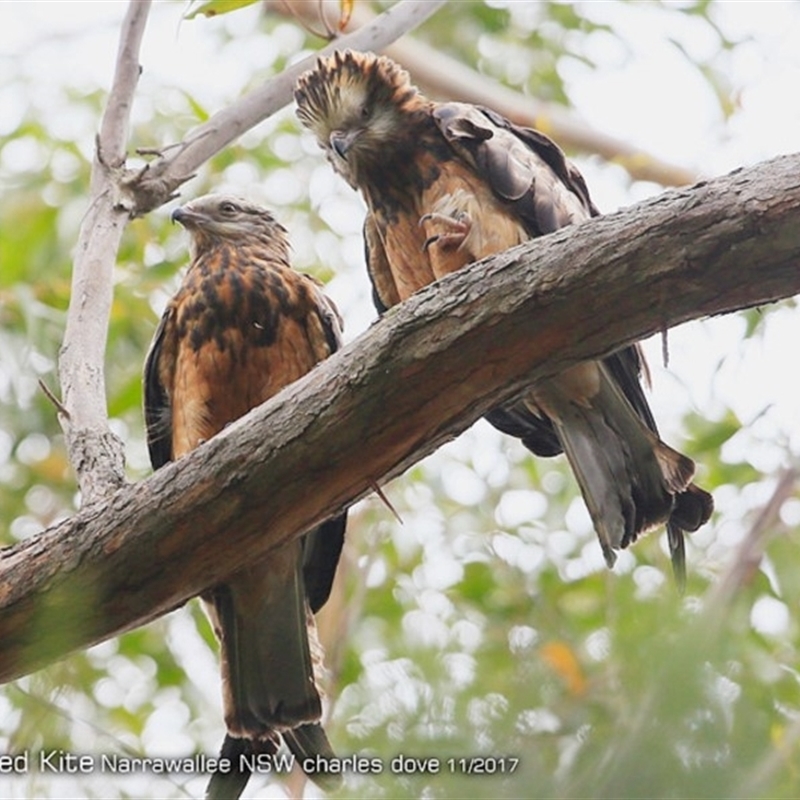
(261, 619)
(676, 468)
(229, 783)
(308, 745)
(693, 508)
(627, 475)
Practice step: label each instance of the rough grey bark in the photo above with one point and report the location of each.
(416, 379)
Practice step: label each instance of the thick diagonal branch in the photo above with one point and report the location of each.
(424, 373)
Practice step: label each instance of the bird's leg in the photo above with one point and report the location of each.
(446, 231)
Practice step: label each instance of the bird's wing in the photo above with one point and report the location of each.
(628, 367)
(322, 546)
(157, 404)
(546, 192)
(522, 166)
(384, 288)
(603, 440)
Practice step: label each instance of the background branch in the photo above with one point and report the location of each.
(416, 379)
(94, 451)
(750, 552)
(445, 78)
(156, 185)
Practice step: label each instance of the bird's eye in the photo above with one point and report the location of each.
(365, 112)
(228, 208)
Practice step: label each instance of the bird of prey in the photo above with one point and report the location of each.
(242, 326)
(447, 184)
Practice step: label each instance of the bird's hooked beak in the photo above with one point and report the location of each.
(185, 216)
(342, 141)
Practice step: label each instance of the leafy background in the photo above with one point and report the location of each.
(486, 623)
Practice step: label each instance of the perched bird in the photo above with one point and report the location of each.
(242, 326)
(447, 184)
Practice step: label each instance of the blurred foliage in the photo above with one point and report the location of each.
(486, 624)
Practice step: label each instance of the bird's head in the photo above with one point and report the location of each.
(359, 107)
(222, 217)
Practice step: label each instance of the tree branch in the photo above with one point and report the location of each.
(416, 379)
(156, 185)
(748, 556)
(441, 76)
(94, 451)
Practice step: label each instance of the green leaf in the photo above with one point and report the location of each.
(200, 111)
(213, 8)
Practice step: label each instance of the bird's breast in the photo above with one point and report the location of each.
(242, 337)
(456, 219)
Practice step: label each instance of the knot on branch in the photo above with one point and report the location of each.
(144, 189)
(99, 459)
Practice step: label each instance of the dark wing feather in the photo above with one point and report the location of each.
(229, 784)
(517, 420)
(626, 368)
(157, 406)
(322, 546)
(310, 746)
(551, 154)
(522, 166)
(384, 290)
(530, 172)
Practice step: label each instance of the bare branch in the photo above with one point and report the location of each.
(113, 137)
(416, 379)
(444, 77)
(164, 176)
(94, 451)
(749, 554)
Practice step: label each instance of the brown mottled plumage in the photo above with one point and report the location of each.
(242, 326)
(447, 184)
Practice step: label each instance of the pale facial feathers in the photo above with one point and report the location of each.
(354, 103)
(222, 217)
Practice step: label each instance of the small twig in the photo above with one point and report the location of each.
(49, 394)
(158, 151)
(378, 491)
(304, 23)
(331, 34)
